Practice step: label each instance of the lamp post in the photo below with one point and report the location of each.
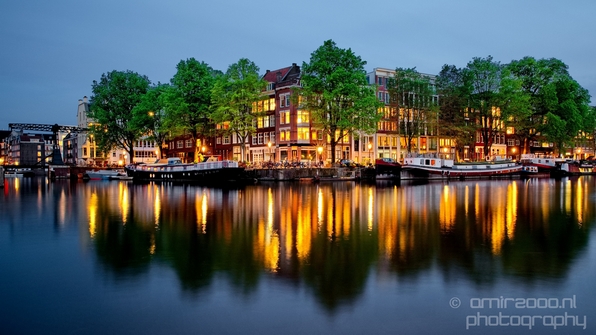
(269, 145)
(370, 153)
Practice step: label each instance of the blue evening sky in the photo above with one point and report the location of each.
(51, 51)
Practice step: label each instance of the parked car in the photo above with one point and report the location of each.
(348, 163)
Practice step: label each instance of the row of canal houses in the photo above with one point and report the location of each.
(286, 133)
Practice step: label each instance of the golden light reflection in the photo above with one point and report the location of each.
(579, 202)
(496, 224)
(303, 232)
(62, 208)
(447, 209)
(319, 210)
(201, 208)
(124, 201)
(92, 205)
(371, 209)
(17, 184)
(512, 196)
(268, 237)
(157, 206)
(567, 196)
(466, 200)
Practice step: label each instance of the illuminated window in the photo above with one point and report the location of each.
(303, 117)
(303, 133)
(284, 117)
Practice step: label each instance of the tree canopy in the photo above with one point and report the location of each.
(558, 104)
(234, 94)
(337, 95)
(149, 115)
(188, 102)
(411, 93)
(114, 97)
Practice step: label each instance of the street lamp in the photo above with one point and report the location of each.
(320, 151)
(269, 145)
(369, 153)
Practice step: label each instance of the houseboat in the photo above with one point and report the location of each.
(172, 169)
(447, 168)
(544, 164)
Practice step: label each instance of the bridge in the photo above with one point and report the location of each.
(53, 128)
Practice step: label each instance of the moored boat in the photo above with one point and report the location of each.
(447, 168)
(102, 174)
(544, 164)
(387, 167)
(574, 168)
(172, 169)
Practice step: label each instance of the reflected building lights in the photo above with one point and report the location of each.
(579, 202)
(124, 201)
(157, 206)
(62, 208)
(320, 210)
(370, 209)
(92, 206)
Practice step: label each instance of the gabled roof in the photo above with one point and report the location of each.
(272, 76)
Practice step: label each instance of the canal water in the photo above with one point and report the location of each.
(478, 257)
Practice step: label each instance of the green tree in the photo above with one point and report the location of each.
(149, 115)
(570, 115)
(111, 107)
(453, 108)
(538, 79)
(188, 102)
(234, 94)
(411, 93)
(335, 92)
(494, 96)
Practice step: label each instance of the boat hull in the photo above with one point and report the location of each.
(203, 173)
(435, 167)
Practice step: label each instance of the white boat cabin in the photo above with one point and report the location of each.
(429, 162)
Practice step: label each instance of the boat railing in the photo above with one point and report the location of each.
(483, 166)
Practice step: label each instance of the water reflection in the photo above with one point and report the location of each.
(328, 238)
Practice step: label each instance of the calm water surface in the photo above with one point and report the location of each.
(481, 257)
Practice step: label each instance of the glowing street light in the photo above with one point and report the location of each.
(269, 145)
(320, 151)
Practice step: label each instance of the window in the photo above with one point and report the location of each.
(270, 86)
(189, 143)
(271, 120)
(226, 140)
(218, 140)
(303, 133)
(284, 135)
(260, 136)
(259, 122)
(272, 137)
(303, 117)
(284, 117)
